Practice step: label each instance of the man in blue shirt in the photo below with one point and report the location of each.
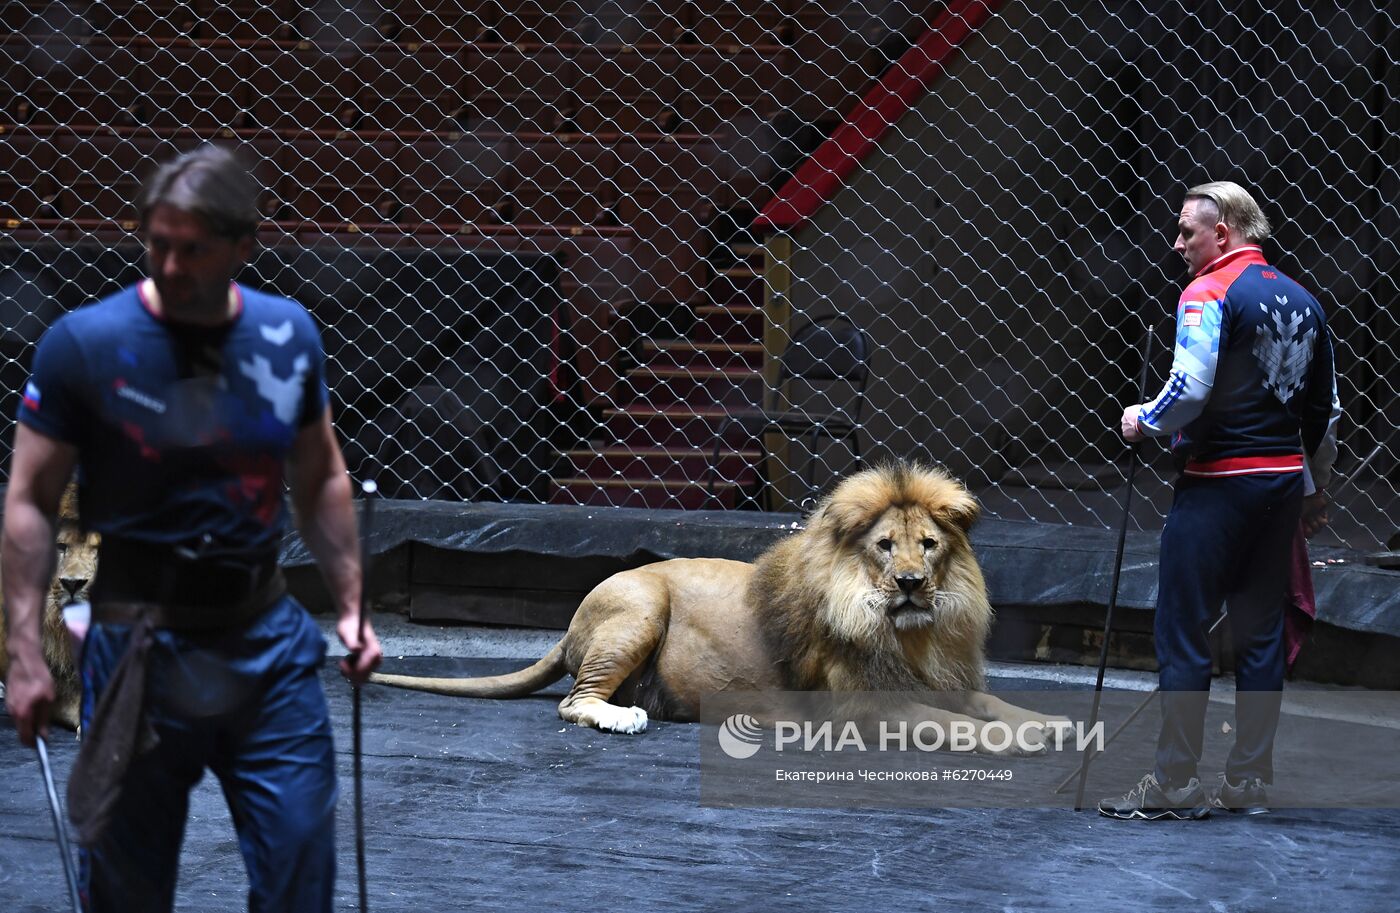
(186, 403)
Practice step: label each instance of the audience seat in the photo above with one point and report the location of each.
(29, 181)
(340, 181)
(672, 242)
(64, 84)
(733, 24)
(521, 90)
(183, 84)
(439, 23)
(561, 183)
(246, 21)
(294, 92)
(406, 91)
(429, 119)
(453, 183)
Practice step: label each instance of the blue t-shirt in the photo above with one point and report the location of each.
(182, 432)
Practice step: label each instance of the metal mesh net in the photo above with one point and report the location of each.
(529, 230)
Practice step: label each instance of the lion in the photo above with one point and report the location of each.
(879, 593)
(77, 563)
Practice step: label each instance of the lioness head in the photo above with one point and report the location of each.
(898, 540)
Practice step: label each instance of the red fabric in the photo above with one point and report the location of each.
(1302, 603)
(902, 86)
(1236, 260)
(1242, 466)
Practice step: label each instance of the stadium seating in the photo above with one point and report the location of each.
(601, 133)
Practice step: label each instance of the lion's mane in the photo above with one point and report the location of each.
(77, 559)
(813, 588)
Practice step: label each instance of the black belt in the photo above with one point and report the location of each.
(182, 588)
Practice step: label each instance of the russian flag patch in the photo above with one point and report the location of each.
(1191, 314)
(31, 396)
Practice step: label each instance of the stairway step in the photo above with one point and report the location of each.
(687, 353)
(735, 310)
(737, 284)
(738, 387)
(731, 290)
(642, 426)
(656, 463)
(686, 344)
(662, 495)
(735, 323)
(750, 255)
(660, 319)
(742, 271)
(727, 295)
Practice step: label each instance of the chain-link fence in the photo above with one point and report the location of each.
(711, 254)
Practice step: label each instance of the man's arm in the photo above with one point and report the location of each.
(326, 519)
(39, 470)
(1322, 412)
(1198, 340)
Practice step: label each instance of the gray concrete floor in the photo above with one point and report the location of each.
(477, 805)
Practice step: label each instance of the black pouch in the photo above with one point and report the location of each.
(198, 576)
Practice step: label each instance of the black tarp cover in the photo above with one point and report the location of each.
(1024, 563)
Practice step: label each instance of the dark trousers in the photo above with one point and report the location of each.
(1226, 541)
(249, 707)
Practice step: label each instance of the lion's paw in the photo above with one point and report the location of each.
(627, 720)
(1057, 730)
(1033, 744)
(1027, 741)
(68, 715)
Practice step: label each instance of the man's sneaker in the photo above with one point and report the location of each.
(1247, 797)
(1150, 801)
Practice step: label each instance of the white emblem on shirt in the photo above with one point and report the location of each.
(283, 393)
(145, 400)
(1284, 354)
(278, 335)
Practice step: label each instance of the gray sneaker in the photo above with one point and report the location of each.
(1248, 797)
(1150, 801)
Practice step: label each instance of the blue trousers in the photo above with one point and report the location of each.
(1226, 541)
(248, 706)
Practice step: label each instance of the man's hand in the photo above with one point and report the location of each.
(1315, 517)
(1128, 425)
(364, 658)
(29, 695)
(39, 469)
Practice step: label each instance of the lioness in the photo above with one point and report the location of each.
(77, 562)
(880, 593)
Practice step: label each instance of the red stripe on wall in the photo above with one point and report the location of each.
(903, 86)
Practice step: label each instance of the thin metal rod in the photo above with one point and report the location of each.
(1356, 471)
(368, 490)
(61, 832)
(1117, 572)
(359, 804)
(1224, 613)
(1132, 716)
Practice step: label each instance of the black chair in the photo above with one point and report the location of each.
(831, 348)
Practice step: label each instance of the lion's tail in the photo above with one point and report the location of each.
(547, 671)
